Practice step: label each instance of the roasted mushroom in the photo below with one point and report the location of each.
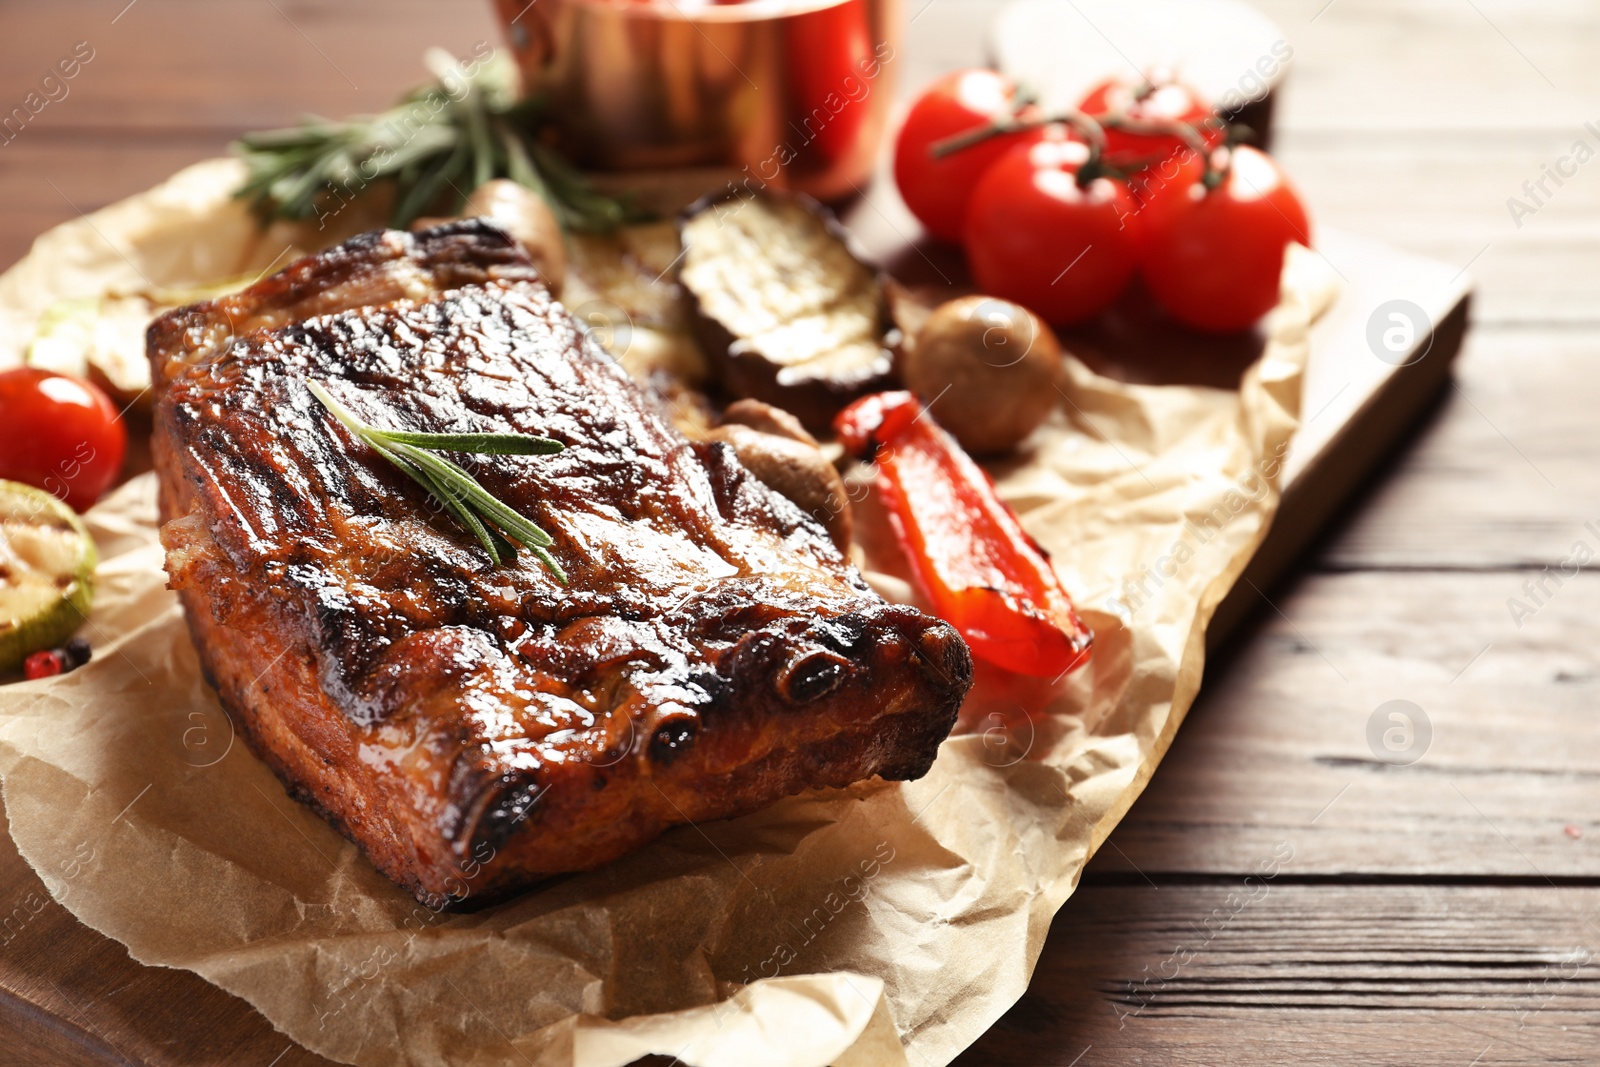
(772, 445)
(782, 301)
(767, 419)
(523, 214)
(988, 369)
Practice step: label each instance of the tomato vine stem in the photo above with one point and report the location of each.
(1093, 129)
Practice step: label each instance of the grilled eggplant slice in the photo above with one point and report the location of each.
(784, 303)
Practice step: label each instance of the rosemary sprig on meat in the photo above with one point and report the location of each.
(435, 147)
(489, 520)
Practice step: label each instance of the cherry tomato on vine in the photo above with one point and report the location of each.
(1039, 236)
(937, 189)
(1157, 99)
(1214, 259)
(61, 435)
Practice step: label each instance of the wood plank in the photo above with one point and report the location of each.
(1276, 972)
(1505, 790)
(100, 142)
(1426, 145)
(225, 65)
(1502, 475)
(1445, 196)
(1439, 64)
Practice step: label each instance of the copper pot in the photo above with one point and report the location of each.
(795, 92)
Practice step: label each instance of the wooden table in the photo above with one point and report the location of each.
(1446, 912)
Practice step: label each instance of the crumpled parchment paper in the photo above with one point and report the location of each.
(881, 924)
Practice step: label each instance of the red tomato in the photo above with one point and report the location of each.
(1160, 99)
(60, 434)
(1038, 237)
(1214, 259)
(937, 190)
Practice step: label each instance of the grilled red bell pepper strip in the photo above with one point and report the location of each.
(979, 570)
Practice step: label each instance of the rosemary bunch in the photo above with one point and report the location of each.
(438, 144)
(470, 503)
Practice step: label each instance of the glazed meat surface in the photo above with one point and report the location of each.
(474, 727)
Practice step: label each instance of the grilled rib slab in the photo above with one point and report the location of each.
(474, 728)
